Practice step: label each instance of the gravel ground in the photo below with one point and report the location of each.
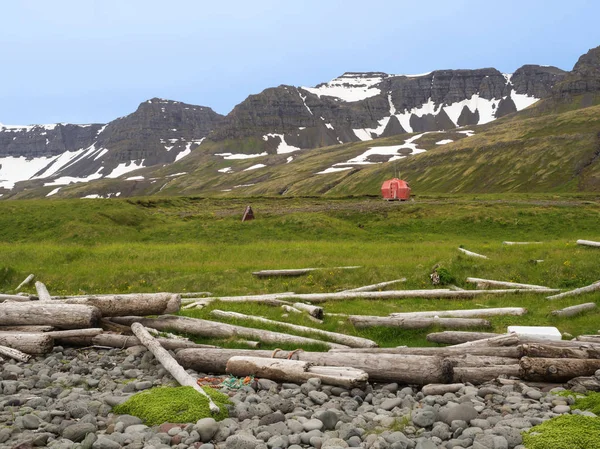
(64, 400)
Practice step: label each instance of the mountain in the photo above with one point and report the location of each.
(334, 138)
(158, 132)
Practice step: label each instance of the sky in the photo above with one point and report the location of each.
(88, 61)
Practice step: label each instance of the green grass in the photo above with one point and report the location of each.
(565, 432)
(195, 244)
(173, 405)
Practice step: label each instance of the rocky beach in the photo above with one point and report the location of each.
(65, 399)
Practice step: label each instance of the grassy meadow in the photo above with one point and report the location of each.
(191, 244)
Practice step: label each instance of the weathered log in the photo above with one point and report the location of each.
(457, 337)
(556, 370)
(441, 389)
(270, 299)
(42, 292)
(109, 326)
(588, 243)
(194, 294)
(418, 370)
(62, 316)
(362, 321)
(484, 283)
(205, 328)
(455, 288)
(122, 305)
(390, 294)
(574, 310)
(474, 361)
(295, 271)
(27, 342)
(289, 272)
(92, 332)
(126, 341)
(197, 303)
(510, 339)
(561, 343)
(26, 281)
(479, 375)
(249, 343)
(578, 291)
(170, 364)
(522, 243)
(554, 352)
(347, 340)
(295, 371)
(447, 351)
(15, 298)
(290, 309)
(315, 311)
(589, 338)
(372, 287)
(466, 313)
(472, 254)
(26, 328)
(14, 354)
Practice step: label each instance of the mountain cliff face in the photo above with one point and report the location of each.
(158, 132)
(364, 106)
(584, 79)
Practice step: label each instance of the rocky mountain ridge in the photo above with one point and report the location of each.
(354, 107)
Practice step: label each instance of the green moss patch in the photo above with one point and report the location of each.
(565, 432)
(590, 402)
(174, 405)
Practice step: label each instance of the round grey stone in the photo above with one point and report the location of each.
(206, 428)
(77, 432)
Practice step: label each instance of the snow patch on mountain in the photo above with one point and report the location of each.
(283, 147)
(254, 167)
(125, 167)
(349, 87)
(233, 156)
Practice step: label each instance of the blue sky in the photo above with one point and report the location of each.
(88, 61)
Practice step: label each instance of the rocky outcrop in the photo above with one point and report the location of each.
(584, 79)
(45, 140)
(535, 80)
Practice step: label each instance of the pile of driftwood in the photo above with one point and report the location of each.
(34, 324)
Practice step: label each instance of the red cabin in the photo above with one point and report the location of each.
(395, 189)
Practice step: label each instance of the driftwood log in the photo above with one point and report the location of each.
(588, 243)
(296, 271)
(14, 354)
(500, 340)
(457, 337)
(419, 370)
(42, 292)
(315, 311)
(578, 291)
(27, 328)
(485, 283)
(26, 281)
(465, 313)
(574, 310)
(479, 375)
(170, 364)
(29, 343)
(15, 298)
(472, 254)
(347, 340)
(522, 243)
(556, 370)
(373, 287)
(62, 316)
(448, 351)
(362, 321)
(295, 371)
(206, 328)
(122, 305)
(126, 341)
(554, 352)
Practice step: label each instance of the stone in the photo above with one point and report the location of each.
(389, 404)
(31, 422)
(105, 443)
(206, 428)
(424, 417)
(312, 424)
(462, 412)
(328, 418)
(241, 441)
(77, 432)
